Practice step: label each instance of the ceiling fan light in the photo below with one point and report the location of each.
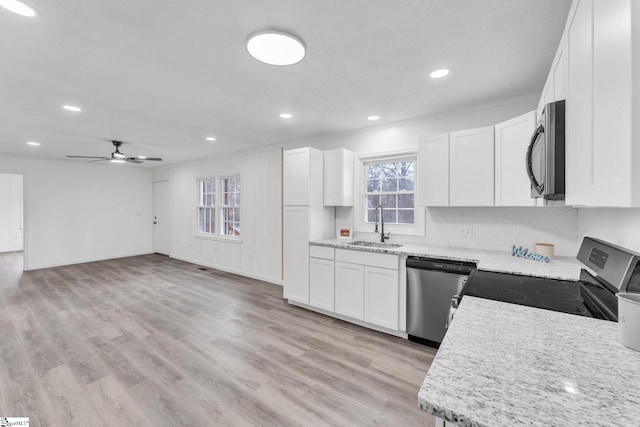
(117, 161)
(275, 47)
(141, 157)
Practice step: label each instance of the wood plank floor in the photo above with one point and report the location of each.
(152, 341)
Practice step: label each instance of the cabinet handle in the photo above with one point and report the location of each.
(534, 138)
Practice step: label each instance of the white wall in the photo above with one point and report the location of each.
(260, 253)
(11, 235)
(620, 226)
(79, 212)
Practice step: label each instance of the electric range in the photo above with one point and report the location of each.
(593, 295)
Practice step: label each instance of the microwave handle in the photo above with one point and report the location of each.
(534, 138)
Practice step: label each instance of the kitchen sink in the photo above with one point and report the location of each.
(368, 244)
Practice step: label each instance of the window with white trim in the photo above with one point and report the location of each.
(219, 206)
(390, 184)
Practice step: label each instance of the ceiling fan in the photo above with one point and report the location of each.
(118, 157)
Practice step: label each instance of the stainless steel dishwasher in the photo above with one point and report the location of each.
(431, 284)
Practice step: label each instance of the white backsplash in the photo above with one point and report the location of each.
(493, 228)
(616, 225)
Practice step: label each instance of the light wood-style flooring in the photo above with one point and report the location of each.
(152, 341)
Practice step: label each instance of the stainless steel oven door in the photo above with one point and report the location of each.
(536, 162)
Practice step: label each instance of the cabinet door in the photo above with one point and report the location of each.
(321, 283)
(338, 177)
(381, 297)
(512, 140)
(580, 105)
(560, 72)
(296, 253)
(296, 177)
(349, 298)
(433, 171)
(471, 167)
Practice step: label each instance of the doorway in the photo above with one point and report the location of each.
(11, 223)
(161, 211)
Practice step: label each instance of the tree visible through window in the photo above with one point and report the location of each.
(390, 184)
(231, 206)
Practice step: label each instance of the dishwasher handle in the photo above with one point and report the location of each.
(456, 267)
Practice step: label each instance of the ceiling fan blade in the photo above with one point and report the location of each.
(153, 159)
(98, 160)
(89, 157)
(132, 160)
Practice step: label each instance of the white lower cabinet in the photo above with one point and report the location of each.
(381, 297)
(321, 283)
(350, 290)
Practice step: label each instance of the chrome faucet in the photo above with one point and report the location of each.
(383, 236)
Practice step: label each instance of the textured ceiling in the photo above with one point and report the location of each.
(162, 75)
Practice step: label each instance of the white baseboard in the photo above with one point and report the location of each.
(229, 270)
(81, 261)
(367, 325)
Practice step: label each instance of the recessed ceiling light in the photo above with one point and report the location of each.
(275, 47)
(210, 138)
(286, 115)
(438, 74)
(72, 108)
(18, 7)
(372, 118)
(33, 143)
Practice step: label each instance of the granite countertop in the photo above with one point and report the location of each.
(503, 364)
(563, 268)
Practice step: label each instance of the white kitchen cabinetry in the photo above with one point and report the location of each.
(433, 171)
(321, 277)
(305, 218)
(350, 290)
(557, 85)
(603, 109)
(512, 187)
(471, 167)
(338, 177)
(381, 297)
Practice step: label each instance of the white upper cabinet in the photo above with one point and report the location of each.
(512, 187)
(302, 179)
(433, 171)
(603, 104)
(471, 167)
(556, 87)
(338, 177)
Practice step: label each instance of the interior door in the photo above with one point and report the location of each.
(161, 231)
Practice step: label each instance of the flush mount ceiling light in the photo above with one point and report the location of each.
(438, 74)
(275, 47)
(285, 116)
(18, 7)
(72, 108)
(372, 118)
(33, 143)
(210, 138)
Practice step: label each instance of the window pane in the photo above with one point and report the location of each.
(405, 169)
(390, 184)
(372, 201)
(372, 215)
(405, 201)
(388, 170)
(236, 215)
(373, 171)
(373, 185)
(389, 216)
(405, 216)
(388, 201)
(406, 184)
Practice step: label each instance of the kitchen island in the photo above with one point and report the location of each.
(503, 364)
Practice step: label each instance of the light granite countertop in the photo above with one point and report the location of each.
(503, 364)
(563, 268)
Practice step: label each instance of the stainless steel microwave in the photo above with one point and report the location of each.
(545, 160)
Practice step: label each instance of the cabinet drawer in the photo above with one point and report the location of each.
(321, 252)
(367, 258)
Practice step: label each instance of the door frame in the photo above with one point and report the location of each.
(25, 215)
(153, 206)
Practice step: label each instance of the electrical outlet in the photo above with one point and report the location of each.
(466, 231)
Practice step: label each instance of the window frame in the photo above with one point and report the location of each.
(218, 208)
(360, 202)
